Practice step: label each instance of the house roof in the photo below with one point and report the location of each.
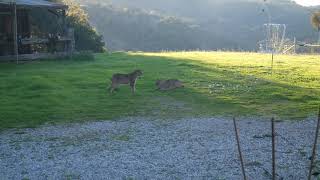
(36, 3)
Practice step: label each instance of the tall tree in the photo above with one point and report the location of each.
(315, 21)
(86, 37)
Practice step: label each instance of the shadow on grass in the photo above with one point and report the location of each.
(227, 91)
(76, 91)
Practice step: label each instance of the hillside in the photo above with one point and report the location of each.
(136, 29)
(231, 24)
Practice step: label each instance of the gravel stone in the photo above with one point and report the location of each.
(144, 148)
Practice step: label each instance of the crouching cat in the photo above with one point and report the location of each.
(120, 79)
(165, 85)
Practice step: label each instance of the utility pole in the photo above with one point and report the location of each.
(295, 45)
(269, 33)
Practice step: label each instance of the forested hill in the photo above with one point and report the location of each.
(152, 25)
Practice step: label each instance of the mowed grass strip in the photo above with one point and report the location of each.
(217, 84)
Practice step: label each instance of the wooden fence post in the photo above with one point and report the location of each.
(314, 147)
(239, 149)
(272, 62)
(273, 150)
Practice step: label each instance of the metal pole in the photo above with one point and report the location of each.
(295, 45)
(273, 151)
(269, 31)
(268, 12)
(15, 32)
(272, 63)
(314, 147)
(239, 149)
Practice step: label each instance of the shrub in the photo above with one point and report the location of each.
(83, 56)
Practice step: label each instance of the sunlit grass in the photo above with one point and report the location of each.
(300, 70)
(217, 84)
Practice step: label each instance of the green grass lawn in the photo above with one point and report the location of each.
(216, 84)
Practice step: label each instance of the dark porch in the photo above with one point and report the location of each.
(22, 37)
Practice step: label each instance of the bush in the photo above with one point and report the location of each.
(83, 56)
(86, 37)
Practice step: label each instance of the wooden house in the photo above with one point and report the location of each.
(22, 38)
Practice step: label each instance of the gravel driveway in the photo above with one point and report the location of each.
(143, 148)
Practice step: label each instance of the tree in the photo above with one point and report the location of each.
(315, 21)
(86, 37)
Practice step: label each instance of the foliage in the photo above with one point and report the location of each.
(315, 20)
(133, 29)
(216, 84)
(83, 56)
(205, 24)
(86, 37)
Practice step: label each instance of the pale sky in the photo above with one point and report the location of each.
(308, 2)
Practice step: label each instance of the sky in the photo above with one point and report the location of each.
(308, 2)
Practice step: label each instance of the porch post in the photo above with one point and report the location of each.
(15, 32)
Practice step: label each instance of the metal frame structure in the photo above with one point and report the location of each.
(275, 36)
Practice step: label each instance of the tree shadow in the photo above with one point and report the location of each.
(215, 90)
